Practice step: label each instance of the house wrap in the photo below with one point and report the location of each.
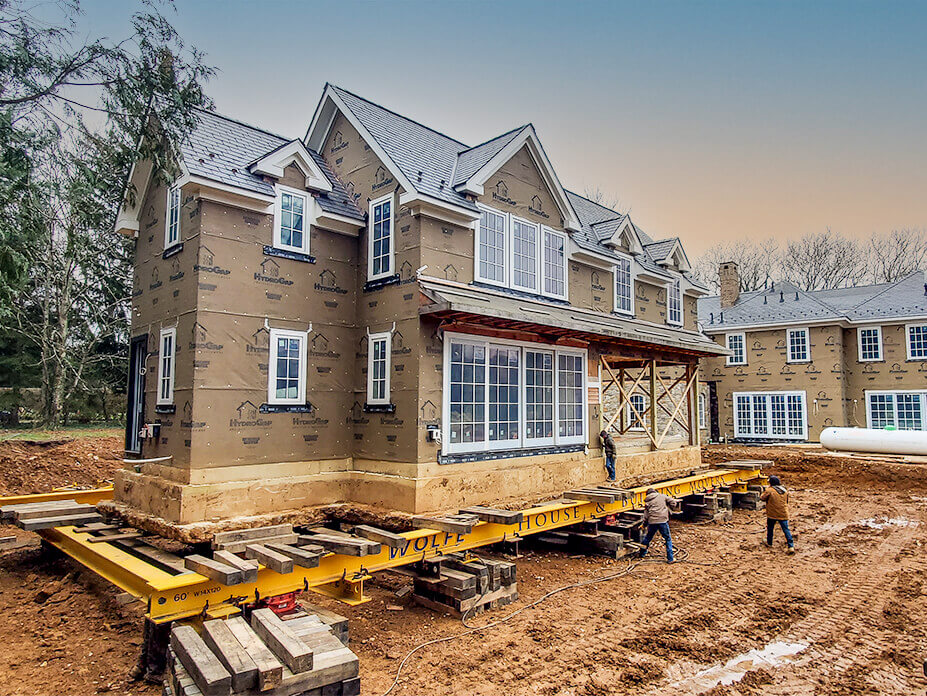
(378, 313)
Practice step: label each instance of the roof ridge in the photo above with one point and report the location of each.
(888, 286)
(604, 207)
(243, 123)
(398, 115)
(498, 137)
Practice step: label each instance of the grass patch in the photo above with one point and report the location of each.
(72, 432)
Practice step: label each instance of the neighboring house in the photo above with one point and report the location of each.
(803, 361)
(379, 313)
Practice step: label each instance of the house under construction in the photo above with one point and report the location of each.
(380, 314)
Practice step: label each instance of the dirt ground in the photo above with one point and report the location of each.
(37, 467)
(853, 599)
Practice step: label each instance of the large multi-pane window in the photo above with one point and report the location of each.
(797, 345)
(380, 233)
(624, 286)
(492, 248)
(524, 255)
(674, 303)
(166, 361)
(290, 223)
(903, 410)
(172, 218)
(777, 415)
(554, 263)
(917, 341)
(518, 254)
(287, 369)
(503, 395)
(737, 344)
(870, 343)
(378, 359)
(637, 411)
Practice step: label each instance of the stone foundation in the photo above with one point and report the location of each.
(189, 497)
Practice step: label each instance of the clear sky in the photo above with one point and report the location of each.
(708, 120)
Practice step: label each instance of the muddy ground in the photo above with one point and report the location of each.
(855, 594)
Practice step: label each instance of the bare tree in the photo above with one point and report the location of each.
(896, 254)
(823, 260)
(597, 195)
(757, 262)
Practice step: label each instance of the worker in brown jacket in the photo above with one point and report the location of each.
(776, 498)
(656, 519)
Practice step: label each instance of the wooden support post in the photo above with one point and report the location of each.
(622, 419)
(695, 431)
(653, 405)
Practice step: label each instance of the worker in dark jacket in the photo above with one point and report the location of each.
(656, 519)
(608, 445)
(777, 511)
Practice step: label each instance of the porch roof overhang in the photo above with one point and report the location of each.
(471, 304)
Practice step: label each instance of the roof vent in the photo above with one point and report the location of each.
(711, 315)
(420, 175)
(925, 288)
(796, 295)
(721, 319)
(765, 299)
(781, 297)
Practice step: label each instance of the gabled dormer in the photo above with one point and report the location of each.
(274, 163)
(669, 254)
(622, 235)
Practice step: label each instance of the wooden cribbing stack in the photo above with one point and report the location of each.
(462, 583)
(301, 656)
(35, 516)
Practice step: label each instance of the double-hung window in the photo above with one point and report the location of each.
(903, 410)
(290, 229)
(737, 344)
(491, 265)
(797, 345)
(287, 369)
(166, 366)
(381, 243)
(770, 415)
(624, 286)
(637, 412)
(870, 343)
(514, 253)
(554, 263)
(503, 395)
(378, 361)
(702, 411)
(172, 218)
(674, 303)
(917, 341)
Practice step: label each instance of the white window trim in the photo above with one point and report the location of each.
(627, 313)
(168, 243)
(539, 252)
(727, 344)
(387, 337)
(702, 411)
(272, 367)
(172, 332)
(566, 250)
(893, 393)
(505, 248)
(278, 218)
(670, 287)
(501, 446)
(859, 343)
(392, 237)
(907, 340)
(788, 344)
(769, 436)
(645, 413)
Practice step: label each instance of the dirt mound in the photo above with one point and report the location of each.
(38, 467)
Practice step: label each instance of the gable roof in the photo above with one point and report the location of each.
(469, 161)
(221, 149)
(783, 303)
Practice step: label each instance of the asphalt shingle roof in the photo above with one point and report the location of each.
(784, 303)
(221, 149)
(470, 161)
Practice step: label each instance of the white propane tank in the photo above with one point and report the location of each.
(872, 440)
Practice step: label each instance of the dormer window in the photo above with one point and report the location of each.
(290, 231)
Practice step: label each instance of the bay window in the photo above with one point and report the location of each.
(502, 395)
(554, 263)
(770, 415)
(524, 255)
(491, 248)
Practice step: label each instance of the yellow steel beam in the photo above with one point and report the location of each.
(173, 597)
(91, 496)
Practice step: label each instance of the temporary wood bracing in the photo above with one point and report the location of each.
(630, 376)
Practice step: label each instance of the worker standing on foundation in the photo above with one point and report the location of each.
(777, 512)
(608, 445)
(656, 519)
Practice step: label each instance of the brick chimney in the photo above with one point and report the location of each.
(729, 275)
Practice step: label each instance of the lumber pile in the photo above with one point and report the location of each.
(264, 657)
(749, 500)
(710, 506)
(595, 538)
(460, 583)
(58, 513)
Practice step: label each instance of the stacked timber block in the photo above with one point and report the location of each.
(336, 623)
(710, 506)
(749, 500)
(58, 513)
(463, 584)
(593, 538)
(266, 657)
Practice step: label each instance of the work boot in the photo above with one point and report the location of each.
(790, 550)
(767, 544)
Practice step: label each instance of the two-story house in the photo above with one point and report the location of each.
(801, 361)
(379, 313)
